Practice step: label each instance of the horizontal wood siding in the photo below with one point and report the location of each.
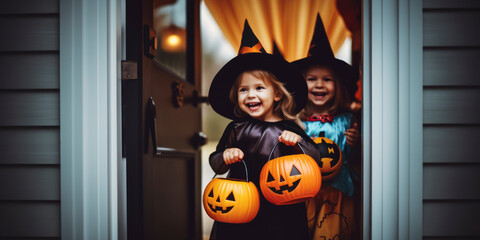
(451, 105)
(451, 4)
(30, 182)
(451, 182)
(462, 65)
(29, 108)
(30, 145)
(29, 32)
(29, 120)
(451, 28)
(451, 219)
(29, 219)
(450, 238)
(29, 70)
(451, 97)
(450, 144)
(29, 6)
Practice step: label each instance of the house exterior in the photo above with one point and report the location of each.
(30, 119)
(420, 93)
(59, 124)
(61, 167)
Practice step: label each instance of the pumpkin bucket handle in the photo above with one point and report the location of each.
(274, 146)
(246, 171)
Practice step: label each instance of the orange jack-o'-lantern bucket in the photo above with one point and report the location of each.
(290, 179)
(231, 200)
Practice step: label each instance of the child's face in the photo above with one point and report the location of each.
(257, 97)
(321, 86)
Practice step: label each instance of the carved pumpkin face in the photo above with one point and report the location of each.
(231, 200)
(332, 159)
(290, 179)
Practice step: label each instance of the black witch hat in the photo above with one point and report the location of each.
(320, 53)
(252, 56)
(276, 51)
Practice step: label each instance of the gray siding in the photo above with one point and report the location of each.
(29, 120)
(43, 68)
(451, 93)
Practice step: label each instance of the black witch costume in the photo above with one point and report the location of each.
(256, 139)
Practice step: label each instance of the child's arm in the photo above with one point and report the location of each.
(216, 159)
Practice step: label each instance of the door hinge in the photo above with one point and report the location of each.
(129, 70)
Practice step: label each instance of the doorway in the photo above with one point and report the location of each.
(219, 45)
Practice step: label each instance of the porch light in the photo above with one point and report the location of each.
(173, 39)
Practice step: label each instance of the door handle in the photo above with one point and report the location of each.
(197, 140)
(150, 126)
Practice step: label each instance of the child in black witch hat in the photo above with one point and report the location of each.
(262, 95)
(327, 113)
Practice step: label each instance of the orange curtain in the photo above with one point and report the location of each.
(289, 23)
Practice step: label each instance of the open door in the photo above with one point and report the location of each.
(161, 126)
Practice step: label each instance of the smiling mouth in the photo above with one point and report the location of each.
(317, 94)
(285, 188)
(253, 106)
(217, 208)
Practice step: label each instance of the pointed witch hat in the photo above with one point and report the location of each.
(252, 56)
(320, 53)
(276, 51)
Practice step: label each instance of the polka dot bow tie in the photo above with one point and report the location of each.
(323, 118)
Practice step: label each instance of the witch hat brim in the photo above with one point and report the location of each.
(251, 58)
(219, 93)
(320, 53)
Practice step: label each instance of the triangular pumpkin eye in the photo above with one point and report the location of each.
(295, 171)
(231, 197)
(211, 193)
(270, 177)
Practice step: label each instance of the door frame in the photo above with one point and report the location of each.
(392, 119)
(90, 122)
(392, 175)
(132, 112)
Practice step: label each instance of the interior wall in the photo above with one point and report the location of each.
(216, 51)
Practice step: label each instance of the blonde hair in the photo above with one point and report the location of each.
(341, 100)
(285, 107)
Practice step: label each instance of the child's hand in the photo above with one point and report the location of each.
(289, 138)
(232, 155)
(352, 135)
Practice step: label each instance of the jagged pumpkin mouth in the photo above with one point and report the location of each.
(285, 188)
(218, 208)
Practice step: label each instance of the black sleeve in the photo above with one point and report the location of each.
(226, 141)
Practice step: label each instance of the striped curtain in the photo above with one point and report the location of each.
(287, 23)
